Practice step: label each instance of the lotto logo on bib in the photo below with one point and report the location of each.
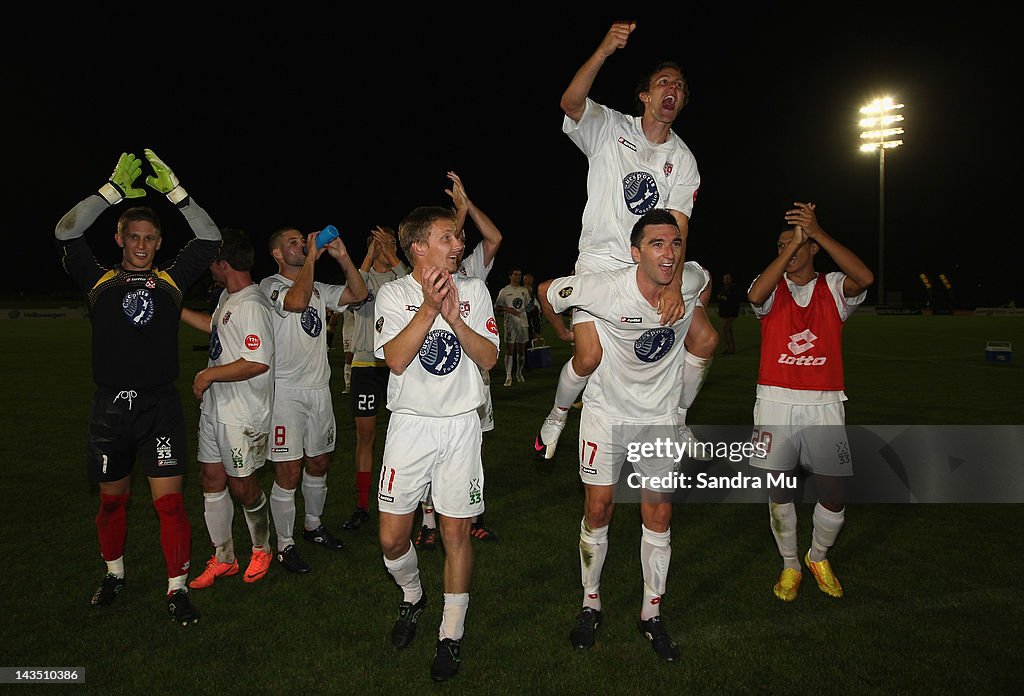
(640, 192)
(654, 344)
(800, 343)
(138, 306)
(440, 352)
(311, 322)
(252, 341)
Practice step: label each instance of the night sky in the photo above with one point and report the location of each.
(273, 119)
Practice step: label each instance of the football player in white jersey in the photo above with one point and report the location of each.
(304, 430)
(636, 164)
(633, 394)
(477, 264)
(436, 331)
(512, 301)
(369, 375)
(237, 392)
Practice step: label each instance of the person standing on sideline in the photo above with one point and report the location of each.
(799, 416)
(632, 397)
(136, 412)
(729, 297)
(512, 301)
(436, 330)
(303, 427)
(237, 393)
(635, 164)
(369, 374)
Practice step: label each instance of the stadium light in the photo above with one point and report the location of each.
(879, 131)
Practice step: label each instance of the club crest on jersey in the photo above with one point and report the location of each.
(626, 143)
(215, 346)
(379, 325)
(492, 326)
(311, 322)
(138, 306)
(252, 341)
(517, 303)
(370, 297)
(667, 168)
(440, 353)
(274, 295)
(151, 282)
(565, 292)
(640, 192)
(654, 344)
(464, 308)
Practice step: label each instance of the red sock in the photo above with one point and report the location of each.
(175, 533)
(111, 526)
(363, 489)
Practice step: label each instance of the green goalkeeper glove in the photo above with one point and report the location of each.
(120, 184)
(163, 179)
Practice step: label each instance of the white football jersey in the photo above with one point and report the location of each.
(300, 338)
(640, 376)
(441, 380)
(627, 177)
(472, 266)
(517, 297)
(362, 315)
(241, 328)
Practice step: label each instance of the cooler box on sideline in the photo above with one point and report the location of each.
(995, 351)
(538, 357)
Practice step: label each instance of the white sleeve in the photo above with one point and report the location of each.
(766, 306)
(845, 305)
(481, 313)
(332, 296)
(390, 317)
(275, 289)
(580, 291)
(591, 132)
(684, 190)
(258, 343)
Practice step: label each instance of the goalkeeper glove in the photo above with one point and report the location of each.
(163, 179)
(119, 186)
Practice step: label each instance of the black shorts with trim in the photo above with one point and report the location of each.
(369, 388)
(126, 426)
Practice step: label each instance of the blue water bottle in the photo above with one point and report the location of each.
(326, 236)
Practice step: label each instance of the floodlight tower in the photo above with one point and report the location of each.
(879, 132)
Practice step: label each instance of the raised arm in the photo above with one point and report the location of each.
(858, 276)
(119, 186)
(574, 99)
(165, 181)
(762, 287)
(355, 287)
(463, 206)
